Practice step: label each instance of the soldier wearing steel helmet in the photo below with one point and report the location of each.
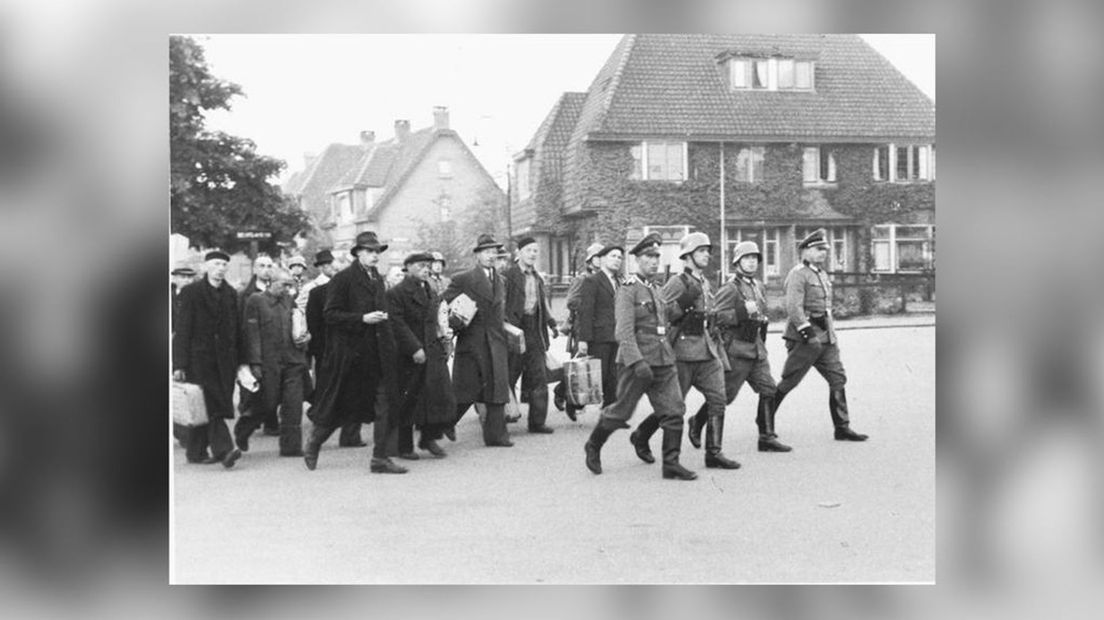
(701, 361)
(742, 320)
(810, 335)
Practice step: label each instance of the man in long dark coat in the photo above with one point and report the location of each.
(205, 352)
(527, 309)
(480, 371)
(263, 266)
(426, 398)
(358, 370)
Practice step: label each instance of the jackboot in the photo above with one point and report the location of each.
(639, 438)
(593, 447)
(837, 406)
(672, 445)
(714, 437)
(695, 424)
(768, 439)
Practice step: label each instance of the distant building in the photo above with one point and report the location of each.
(813, 131)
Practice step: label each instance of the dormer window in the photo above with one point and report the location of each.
(773, 73)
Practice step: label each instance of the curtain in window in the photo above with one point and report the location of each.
(759, 76)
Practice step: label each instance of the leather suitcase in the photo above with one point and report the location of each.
(188, 407)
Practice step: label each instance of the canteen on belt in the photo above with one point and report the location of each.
(583, 381)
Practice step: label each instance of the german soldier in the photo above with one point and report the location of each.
(647, 366)
(810, 335)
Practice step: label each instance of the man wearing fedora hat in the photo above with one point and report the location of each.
(358, 376)
(646, 366)
(527, 309)
(591, 265)
(742, 319)
(205, 352)
(596, 321)
(480, 372)
(701, 359)
(810, 334)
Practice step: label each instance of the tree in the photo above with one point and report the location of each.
(219, 183)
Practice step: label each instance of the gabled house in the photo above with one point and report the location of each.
(786, 133)
(399, 186)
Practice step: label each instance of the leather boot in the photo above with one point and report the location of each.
(593, 447)
(714, 437)
(837, 406)
(768, 439)
(672, 445)
(639, 438)
(695, 424)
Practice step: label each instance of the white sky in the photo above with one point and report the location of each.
(303, 92)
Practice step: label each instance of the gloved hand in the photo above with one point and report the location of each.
(808, 333)
(642, 370)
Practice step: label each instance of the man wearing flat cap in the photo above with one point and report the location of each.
(647, 365)
(591, 265)
(205, 352)
(426, 399)
(480, 371)
(701, 361)
(358, 380)
(810, 335)
(527, 309)
(596, 321)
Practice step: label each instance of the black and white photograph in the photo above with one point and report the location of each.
(552, 309)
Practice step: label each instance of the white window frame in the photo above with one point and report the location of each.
(769, 236)
(639, 153)
(444, 169)
(521, 171)
(741, 68)
(752, 148)
(919, 156)
(345, 207)
(811, 160)
(891, 242)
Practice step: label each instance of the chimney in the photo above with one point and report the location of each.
(367, 137)
(402, 130)
(440, 118)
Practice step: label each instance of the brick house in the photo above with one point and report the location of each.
(788, 132)
(396, 187)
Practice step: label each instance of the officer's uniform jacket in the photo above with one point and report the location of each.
(809, 302)
(642, 325)
(741, 334)
(691, 348)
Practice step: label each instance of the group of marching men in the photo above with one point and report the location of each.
(380, 354)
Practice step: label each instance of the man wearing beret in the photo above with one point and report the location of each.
(810, 335)
(426, 399)
(205, 352)
(647, 366)
(358, 379)
(527, 309)
(596, 321)
(701, 359)
(480, 372)
(591, 265)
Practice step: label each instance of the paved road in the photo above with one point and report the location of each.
(534, 514)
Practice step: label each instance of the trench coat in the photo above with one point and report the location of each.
(426, 389)
(205, 345)
(480, 373)
(358, 357)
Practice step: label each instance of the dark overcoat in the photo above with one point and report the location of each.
(316, 325)
(358, 356)
(426, 389)
(595, 320)
(268, 342)
(480, 372)
(205, 345)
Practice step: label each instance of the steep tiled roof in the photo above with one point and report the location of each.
(659, 84)
(547, 146)
(313, 183)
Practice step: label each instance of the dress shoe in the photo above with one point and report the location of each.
(242, 441)
(431, 446)
(559, 402)
(409, 456)
(844, 433)
(542, 429)
(771, 444)
(386, 466)
(450, 432)
(504, 443)
(675, 471)
(231, 458)
(593, 457)
(642, 449)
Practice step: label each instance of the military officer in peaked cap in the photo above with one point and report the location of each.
(647, 365)
(810, 335)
